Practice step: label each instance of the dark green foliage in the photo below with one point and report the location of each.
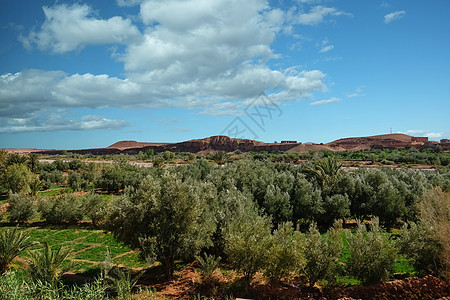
(14, 158)
(33, 162)
(307, 201)
(61, 165)
(77, 182)
(247, 238)
(116, 177)
(56, 177)
(422, 247)
(322, 253)
(168, 218)
(75, 164)
(208, 264)
(276, 203)
(220, 157)
(372, 255)
(335, 207)
(21, 208)
(66, 208)
(286, 253)
(95, 207)
(427, 243)
(17, 178)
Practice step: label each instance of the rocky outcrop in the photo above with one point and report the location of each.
(386, 141)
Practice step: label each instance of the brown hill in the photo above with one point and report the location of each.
(303, 148)
(396, 140)
(132, 144)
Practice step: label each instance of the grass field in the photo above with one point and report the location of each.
(88, 247)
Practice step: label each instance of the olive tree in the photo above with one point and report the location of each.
(168, 219)
(17, 178)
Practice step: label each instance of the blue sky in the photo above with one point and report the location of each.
(85, 74)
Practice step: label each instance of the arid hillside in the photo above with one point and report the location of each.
(396, 140)
(225, 143)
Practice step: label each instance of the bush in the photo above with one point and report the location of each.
(247, 238)
(66, 208)
(285, 254)
(422, 247)
(208, 264)
(21, 208)
(322, 253)
(17, 178)
(427, 243)
(76, 182)
(372, 255)
(168, 218)
(95, 207)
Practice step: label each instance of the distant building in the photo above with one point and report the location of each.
(289, 142)
(445, 141)
(419, 139)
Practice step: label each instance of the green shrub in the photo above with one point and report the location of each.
(208, 264)
(422, 247)
(427, 243)
(372, 255)
(322, 253)
(17, 179)
(168, 218)
(95, 207)
(285, 254)
(65, 208)
(247, 238)
(21, 208)
(77, 182)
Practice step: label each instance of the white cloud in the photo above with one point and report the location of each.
(194, 54)
(394, 16)
(128, 3)
(326, 48)
(58, 122)
(67, 28)
(357, 93)
(316, 15)
(428, 133)
(384, 4)
(321, 102)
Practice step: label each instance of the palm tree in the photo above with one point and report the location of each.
(12, 243)
(16, 159)
(326, 171)
(35, 186)
(220, 157)
(45, 265)
(33, 161)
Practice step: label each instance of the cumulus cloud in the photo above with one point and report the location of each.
(394, 16)
(194, 54)
(321, 102)
(67, 28)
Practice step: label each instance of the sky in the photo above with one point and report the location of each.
(86, 74)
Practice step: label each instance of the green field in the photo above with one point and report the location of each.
(88, 247)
